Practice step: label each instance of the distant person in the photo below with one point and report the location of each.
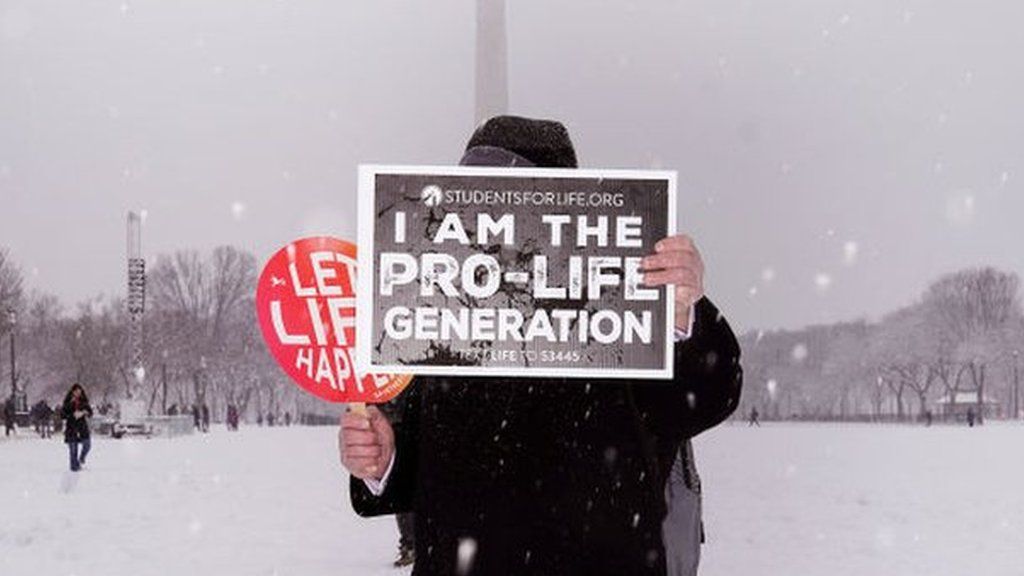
(928, 417)
(196, 420)
(287, 418)
(76, 412)
(270, 418)
(259, 419)
(232, 417)
(47, 415)
(33, 416)
(755, 418)
(42, 415)
(970, 417)
(9, 416)
(56, 420)
(205, 416)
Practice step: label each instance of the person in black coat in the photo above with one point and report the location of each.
(42, 415)
(548, 476)
(204, 414)
(76, 412)
(9, 416)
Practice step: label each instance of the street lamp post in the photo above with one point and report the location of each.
(1016, 386)
(878, 398)
(12, 320)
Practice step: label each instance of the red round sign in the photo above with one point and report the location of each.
(306, 303)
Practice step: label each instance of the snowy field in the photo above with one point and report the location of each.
(858, 500)
(785, 500)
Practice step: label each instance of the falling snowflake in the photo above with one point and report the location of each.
(822, 281)
(465, 555)
(960, 208)
(772, 387)
(799, 353)
(850, 250)
(237, 210)
(767, 275)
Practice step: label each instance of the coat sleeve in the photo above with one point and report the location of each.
(705, 388)
(400, 488)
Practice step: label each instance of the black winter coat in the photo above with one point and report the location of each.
(75, 429)
(552, 476)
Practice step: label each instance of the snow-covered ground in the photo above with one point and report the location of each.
(837, 500)
(263, 501)
(785, 500)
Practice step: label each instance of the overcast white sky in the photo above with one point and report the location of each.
(834, 156)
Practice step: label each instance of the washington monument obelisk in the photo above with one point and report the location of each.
(491, 60)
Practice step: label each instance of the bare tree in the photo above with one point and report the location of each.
(11, 280)
(96, 341)
(977, 313)
(204, 322)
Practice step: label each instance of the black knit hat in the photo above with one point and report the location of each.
(544, 143)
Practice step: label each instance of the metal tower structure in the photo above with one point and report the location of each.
(136, 300)
(491, 60)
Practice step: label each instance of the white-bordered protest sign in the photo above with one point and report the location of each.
(513, 271)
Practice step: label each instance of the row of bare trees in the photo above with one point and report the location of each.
(964, 334)
(201, 343)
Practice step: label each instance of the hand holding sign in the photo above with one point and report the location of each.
(306, 306)
(366, 443)
(676, 261)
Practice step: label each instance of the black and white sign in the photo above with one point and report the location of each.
(512, 271)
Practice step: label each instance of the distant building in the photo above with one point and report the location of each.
(956, 407)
